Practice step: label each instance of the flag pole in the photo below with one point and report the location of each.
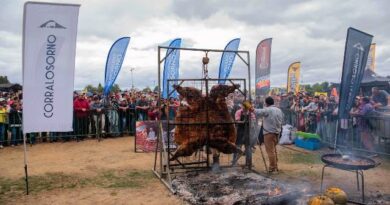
(336, 135)
(25, 162)
(23, 66)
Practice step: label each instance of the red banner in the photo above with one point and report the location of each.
(263, 67)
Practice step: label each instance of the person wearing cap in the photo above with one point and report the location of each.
(272, 127)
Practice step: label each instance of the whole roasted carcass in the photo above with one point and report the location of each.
(190, 133)
(222, 130)
(201, 117)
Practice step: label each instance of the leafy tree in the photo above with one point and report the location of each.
(90, 88)
(155, 89)
(115, 88)
(325, 86)
(100, 88)
(317, 87)
(147, 89)
(4, 80)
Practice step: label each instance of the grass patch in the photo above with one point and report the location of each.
(10, 188)
(131, 179)
(300, 158)
(310, 174)
(385, 163)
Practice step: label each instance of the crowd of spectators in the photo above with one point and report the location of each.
(94, 115)
(10, 117)
(311, 113)
(115, 115)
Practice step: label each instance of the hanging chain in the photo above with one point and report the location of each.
(205, 62)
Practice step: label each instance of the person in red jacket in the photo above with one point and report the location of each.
(81, 108)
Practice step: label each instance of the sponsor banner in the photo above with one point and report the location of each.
(171, 68)
(263, 67)
(146, 136)
(114, 62)
(321, 93)
(371, 58)
(357, 47)
(49, 50)
(227, 60)
(293, 76)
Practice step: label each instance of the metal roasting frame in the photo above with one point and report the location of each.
(164, 168)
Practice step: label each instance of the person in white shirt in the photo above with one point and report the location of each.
(272, 126)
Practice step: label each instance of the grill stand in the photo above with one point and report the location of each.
(358, 172)
(165, 169)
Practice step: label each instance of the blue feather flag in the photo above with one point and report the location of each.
(114, 63)
(227, 60)
(171, 68)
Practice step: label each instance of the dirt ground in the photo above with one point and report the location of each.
(88, 168)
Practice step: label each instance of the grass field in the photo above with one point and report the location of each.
(109, 172)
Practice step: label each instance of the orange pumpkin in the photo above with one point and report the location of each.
(320, 200)
(337, 195)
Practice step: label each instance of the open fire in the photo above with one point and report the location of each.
(275, 191)
(233, 187)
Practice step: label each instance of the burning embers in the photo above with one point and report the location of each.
(276, 191)
(232, 187)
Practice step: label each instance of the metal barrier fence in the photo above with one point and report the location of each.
(111, 123)
(367, 134)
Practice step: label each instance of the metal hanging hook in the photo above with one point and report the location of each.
(205, 61)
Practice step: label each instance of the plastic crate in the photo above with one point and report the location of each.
(310, 144)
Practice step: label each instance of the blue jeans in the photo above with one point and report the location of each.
(122, 123)
(2, 133)
(15, 135)
(113, 118)
(140, 117)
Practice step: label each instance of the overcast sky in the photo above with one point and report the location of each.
(312, 32)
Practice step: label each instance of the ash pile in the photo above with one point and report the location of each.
(234, 187)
